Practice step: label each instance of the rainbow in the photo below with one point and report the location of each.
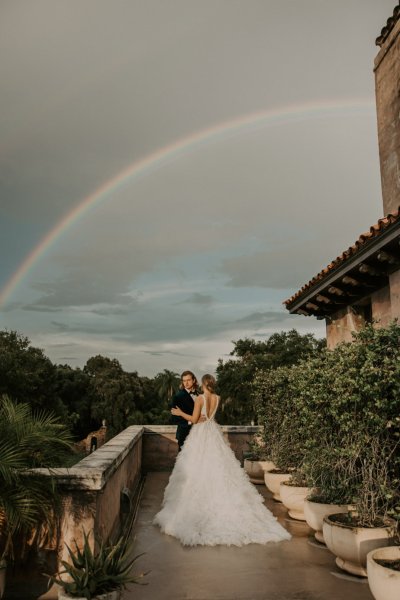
(240, 125)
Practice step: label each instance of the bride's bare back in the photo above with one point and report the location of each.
(210, 404)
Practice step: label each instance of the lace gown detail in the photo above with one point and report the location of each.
(209, 499)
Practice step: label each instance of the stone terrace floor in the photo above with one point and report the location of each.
(298, 569)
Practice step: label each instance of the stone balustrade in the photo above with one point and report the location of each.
(101, 489)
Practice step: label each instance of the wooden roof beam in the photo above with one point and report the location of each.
(384, 256)
(369, 270)
(351, 281)
(313, 306)
(323, 299)
(336, 291)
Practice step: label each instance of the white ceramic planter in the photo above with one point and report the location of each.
(293, 497)
(273, 482)
(314, 513)
(383, 581)
(267, 465)
(115, 595)
(254, 470)
(352, 544)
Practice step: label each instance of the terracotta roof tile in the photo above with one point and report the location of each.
(374, 231)
(390, 23)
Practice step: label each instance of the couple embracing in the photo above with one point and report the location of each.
(209, 499)
(185, 401)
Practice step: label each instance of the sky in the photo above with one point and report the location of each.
(171, 172)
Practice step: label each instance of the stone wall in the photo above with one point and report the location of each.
(96, 489)
(160, 447)
(387, 87)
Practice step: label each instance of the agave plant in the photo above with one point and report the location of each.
(27, 499)
(91, 573)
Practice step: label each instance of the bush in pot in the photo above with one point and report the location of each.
(278, 412)
(361, 417)
(331, 407)
(383, 569)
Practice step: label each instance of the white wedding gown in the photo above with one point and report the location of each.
(209, 499)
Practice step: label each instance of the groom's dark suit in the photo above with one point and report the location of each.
(184, 401)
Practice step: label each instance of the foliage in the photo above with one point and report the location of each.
(94, 573)
(27, 499)
(256, 449)
(112, 391)
(336, 417)
(167, 384)
(235, 375)
(26, 374)
(278, 412)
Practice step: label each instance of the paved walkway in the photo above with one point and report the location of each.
(292, 570)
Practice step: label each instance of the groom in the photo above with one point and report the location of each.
(184, 399)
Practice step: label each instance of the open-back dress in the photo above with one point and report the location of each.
(209, 499)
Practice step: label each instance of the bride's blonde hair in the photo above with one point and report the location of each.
(209, 382)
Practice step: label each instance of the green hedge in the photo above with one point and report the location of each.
(335, 419)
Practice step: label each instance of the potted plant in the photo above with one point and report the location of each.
(293, 493)
(100, 574)
(279, 411)
(352, 535)
(324, 468)
(28, 500)
(383, 569)
(256, 461)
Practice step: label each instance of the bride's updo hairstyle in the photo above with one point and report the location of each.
(209, 383)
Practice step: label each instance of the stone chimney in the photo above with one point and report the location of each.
(387, 90)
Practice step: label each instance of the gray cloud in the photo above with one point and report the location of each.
(198, 299)
(176, 255)
(258, 319)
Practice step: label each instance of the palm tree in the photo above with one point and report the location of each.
(167, 384)
(28, 499)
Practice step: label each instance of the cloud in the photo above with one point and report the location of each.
(258, 319)
(40, 308)
(198, 299)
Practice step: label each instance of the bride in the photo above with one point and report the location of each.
(209, 499)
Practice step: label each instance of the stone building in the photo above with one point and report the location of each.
(363, 284)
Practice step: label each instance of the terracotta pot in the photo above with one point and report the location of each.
(351, 544)
(254, 470)
(293, 497)
(115, 595)
(384, 582)
(273, 482)
(315, 512)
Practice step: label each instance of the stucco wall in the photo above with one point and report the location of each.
(160, 447)
(394, 282)
(381, 307)
(340, 327)
(387, 88)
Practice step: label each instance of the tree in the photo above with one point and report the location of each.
(73, 388)
(234, 377)
(27, 440)
(167, 384)
(114, 393)
(26, 374)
